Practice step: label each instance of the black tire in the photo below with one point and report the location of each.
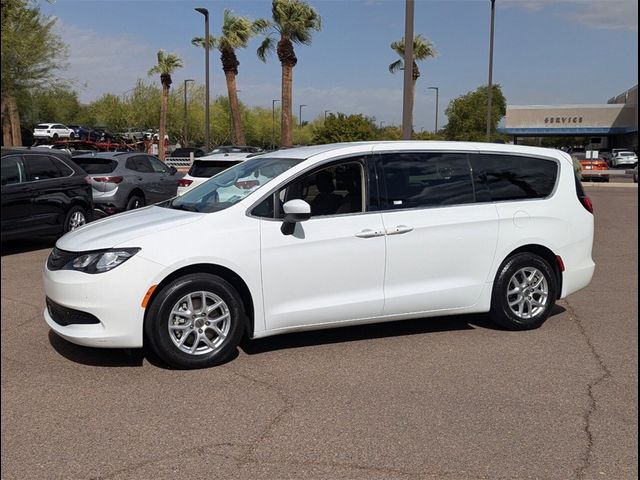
(502, 313)
(76, 217)
(55, 136)
(159, 315)
(135, 201)
(72, 136)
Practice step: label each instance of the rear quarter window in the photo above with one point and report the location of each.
(514, 177)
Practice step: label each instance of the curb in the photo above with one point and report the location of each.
(609, 185)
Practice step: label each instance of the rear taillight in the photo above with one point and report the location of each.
(184, 182)
(108, 179)
(586, 203)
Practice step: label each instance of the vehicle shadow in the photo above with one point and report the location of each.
(135, 357)
(14, 247)
(110, 357)
(356, 333)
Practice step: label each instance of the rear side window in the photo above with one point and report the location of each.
(12, 170)
(512, 177)
(139, 164)
(202, 168)
(425, 180)
(96, 165)
(65, 171)
(41, 167)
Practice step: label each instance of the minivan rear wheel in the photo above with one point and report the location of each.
(524, 292)
(195, 321)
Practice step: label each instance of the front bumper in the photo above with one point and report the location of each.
(113, 298)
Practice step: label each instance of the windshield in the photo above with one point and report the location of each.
(232, 185)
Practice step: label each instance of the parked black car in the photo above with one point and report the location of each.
(43, 193)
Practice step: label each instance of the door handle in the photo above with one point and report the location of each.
(399, 230)
(368, 233)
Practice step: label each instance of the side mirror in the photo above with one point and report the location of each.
(294, 211)
(173, 170)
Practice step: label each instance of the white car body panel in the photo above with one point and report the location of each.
(323, 275)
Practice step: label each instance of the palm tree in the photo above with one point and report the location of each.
(236, 33)
(293, 22)
(167, 64)
(422, 49)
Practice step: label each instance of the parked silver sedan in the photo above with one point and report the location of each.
(127, 180)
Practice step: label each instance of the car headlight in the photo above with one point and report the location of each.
(101, 261)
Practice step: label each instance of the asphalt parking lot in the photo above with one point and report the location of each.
(446, 398)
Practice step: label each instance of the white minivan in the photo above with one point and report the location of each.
(326, 236)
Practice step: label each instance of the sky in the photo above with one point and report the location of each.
(547, 52)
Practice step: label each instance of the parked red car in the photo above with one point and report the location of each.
(593, 165)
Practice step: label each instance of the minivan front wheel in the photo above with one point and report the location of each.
(524, 292)
(195, 321)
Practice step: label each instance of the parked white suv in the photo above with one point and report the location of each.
(326, 236)
(203, 168)
(53, 131)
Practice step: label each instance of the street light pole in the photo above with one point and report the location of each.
(325, 114)
(301, 114)
(436, 89)
(273, 123)
(490, 91)
(205, 12)
(407, 97)
(184, 133)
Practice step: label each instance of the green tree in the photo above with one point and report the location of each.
(345, 128)
(167, 64)
(422, 50)
(236, 33)
(467, 115)
(31, 56)
(54, 104)
(293, 23)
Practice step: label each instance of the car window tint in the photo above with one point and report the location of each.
(413, 180)
(12, 170)
(207, 169)
(512, 177)
(334, 190)
(265, 208)
(65, 171)
(130, 164)
(143, 164)
(96, 165)
(41, 167)
(157, 165)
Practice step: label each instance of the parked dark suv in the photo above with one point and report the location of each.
(43, 193)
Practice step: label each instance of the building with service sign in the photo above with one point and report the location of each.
(610, 125)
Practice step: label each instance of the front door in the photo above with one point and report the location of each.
(332, 268)
(16, 196)
(440, 243)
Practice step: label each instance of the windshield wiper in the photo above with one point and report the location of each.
(186, 208)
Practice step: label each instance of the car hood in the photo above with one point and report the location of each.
(124, 228)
